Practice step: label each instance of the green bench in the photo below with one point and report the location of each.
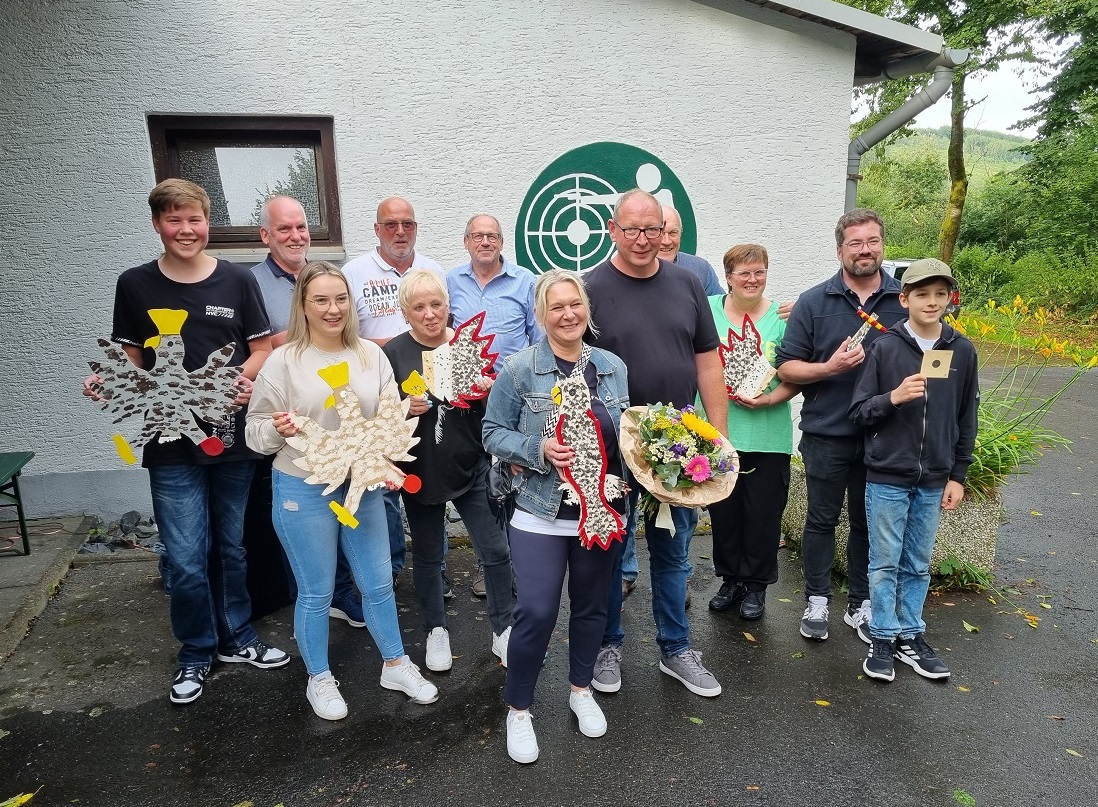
(10, 466)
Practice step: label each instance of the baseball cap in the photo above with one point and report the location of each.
(926, 269)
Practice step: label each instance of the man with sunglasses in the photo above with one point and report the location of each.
(655, 317)
(375, 277)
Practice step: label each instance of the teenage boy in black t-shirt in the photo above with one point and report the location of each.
(199, 498)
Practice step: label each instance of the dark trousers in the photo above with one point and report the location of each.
(540, 562)
(834, 468)
(427, 524)
(748, 524)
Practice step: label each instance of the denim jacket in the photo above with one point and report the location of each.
(521, 403)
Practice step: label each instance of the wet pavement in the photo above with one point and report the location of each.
(85, 718)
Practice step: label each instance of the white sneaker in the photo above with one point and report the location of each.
(859, 619)
(439, 657)
(522, 744)
(592, 723)
(324, 697)
(405, 678)
(499, 645)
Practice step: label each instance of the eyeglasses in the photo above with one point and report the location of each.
(393, 226)
(872, 243)
(324, 303)
(631, 233)
(758, 274)
(491, 238)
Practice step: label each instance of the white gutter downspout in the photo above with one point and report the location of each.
(943, 65)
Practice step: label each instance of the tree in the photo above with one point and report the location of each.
(300, 184)
(995, 31)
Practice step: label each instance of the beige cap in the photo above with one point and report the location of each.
(925, 269)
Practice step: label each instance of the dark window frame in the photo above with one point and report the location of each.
(166, 131)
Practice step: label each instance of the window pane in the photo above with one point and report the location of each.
(240, 177)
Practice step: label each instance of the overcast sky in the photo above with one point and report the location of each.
(1007, 96)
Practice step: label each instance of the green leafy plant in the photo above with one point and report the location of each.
(1011, 436)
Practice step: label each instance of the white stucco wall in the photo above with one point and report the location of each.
(457, 106)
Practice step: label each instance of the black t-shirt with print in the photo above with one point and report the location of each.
(225, 307)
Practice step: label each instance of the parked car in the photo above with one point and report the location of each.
(897, 267)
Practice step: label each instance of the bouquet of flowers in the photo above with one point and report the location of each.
(678, 457)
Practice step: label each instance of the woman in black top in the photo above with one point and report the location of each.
(451, 463)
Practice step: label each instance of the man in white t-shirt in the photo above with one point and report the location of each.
(375, 277)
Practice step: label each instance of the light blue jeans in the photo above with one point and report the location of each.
(310, 534)
(903, 523)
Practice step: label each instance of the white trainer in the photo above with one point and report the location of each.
(499, 645)
(592, 722)
(324, 697)
(405, 677)
(439, 657)
(522, 744)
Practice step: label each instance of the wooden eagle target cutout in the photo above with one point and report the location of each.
(747, 373)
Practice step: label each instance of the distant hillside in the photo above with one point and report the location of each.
(986, 153)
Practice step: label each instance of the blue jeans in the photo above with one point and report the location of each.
(834, 468)
(630, 566)
(310, 534)
(669, 563)
(904, 525)
(199, 510)
(398, 548)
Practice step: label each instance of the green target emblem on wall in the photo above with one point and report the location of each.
(562, 221)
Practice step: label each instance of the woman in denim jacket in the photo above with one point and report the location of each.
(544, 529)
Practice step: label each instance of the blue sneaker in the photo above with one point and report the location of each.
(348, 607)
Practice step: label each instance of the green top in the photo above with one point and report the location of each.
(770, 429)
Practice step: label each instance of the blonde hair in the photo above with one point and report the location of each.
(420, 280)
(172, 194)
(552, 278)
(297, 334)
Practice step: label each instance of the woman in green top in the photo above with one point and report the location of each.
(747, 525)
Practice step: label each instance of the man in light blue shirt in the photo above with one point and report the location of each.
(491, 283)
(669, 251)
(503, 290)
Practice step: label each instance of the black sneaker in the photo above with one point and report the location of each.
(920, 656)
(730, 594)
(187, 684)
(447, 589)
(753, 605)
(878, 664)
(258, 655)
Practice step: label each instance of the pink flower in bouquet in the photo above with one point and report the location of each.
(698, 468)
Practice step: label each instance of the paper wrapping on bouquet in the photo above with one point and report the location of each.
(632, 449)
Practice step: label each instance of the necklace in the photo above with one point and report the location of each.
(328, 357)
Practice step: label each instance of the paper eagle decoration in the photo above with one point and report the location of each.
(746, 372)
(362, 448)
(586, 481)
(859, 336)
(167, 397)
(451, 370)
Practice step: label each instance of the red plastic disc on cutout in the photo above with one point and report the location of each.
(212, 446)
(412, 483)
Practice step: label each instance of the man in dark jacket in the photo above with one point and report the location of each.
(816, 353)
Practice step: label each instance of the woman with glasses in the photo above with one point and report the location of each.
(451, 465)
(323, 332)
(544, 529)
(747, 525)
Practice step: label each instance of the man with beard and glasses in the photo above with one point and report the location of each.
(816, 355)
